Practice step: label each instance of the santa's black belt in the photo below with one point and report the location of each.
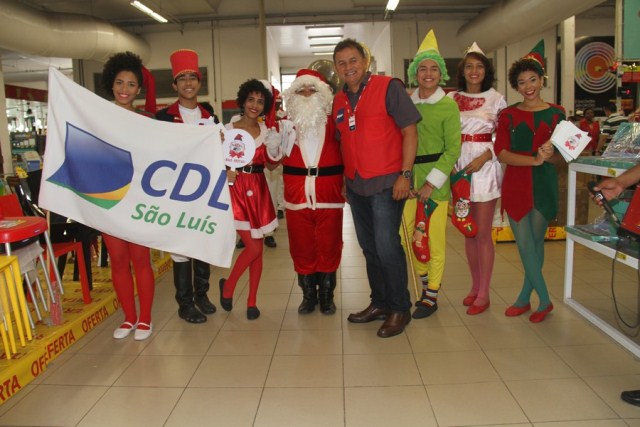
(251, 169)
(316, 171)
(427, 158)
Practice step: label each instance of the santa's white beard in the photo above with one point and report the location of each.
(309, 114)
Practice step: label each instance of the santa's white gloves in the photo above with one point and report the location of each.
(273, 142)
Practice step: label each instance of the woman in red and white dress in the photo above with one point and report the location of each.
(479, 105)
(253, 209)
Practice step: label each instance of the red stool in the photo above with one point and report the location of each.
(14, 227)
(10, 206)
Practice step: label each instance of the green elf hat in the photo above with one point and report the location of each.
(428, 50)
(537, 56)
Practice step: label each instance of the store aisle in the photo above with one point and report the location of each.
(286, 369)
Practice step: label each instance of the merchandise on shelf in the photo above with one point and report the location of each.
(625, 143)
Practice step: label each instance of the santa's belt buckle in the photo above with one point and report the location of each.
(247, 169)
(313, 171)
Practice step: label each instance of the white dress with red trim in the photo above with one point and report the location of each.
(479, 117)
(250, 198)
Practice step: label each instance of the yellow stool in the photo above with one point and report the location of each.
(15, 303)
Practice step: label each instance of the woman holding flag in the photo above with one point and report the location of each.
(253, 209)
(123, 76)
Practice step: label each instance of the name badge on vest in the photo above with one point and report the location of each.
(352, 123)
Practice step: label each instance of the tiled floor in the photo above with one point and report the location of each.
(286, 369)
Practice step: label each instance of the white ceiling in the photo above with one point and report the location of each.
(184, 11)
(286, 21)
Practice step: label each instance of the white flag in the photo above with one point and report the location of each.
(569, 140)
(158, 184)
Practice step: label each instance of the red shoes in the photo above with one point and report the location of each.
(514, 311)
(468, 300)
(539, 316)
(536, 317)
(477, 309)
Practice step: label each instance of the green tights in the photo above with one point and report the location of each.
(529, 234)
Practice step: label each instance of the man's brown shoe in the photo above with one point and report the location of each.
(395, 323)
(369, 314)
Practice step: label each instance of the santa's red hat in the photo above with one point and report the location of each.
(184, 61)
(308, 77)
(304, 78)
(308, 72)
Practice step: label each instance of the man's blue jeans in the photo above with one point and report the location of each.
(377, 221)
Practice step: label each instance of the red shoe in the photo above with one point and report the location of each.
(514, 311)
(539, 316)
(468, 300)
(477, 309)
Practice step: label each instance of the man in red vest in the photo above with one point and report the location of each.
(191, 297)
(312, 171)
(376, 124)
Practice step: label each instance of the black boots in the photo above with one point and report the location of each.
(324, 294)
(307, 283)
(201, 273)
(182, 279)
(326, 286)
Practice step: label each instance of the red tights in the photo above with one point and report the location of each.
(122, 254)
(250, 257)
(480, 250)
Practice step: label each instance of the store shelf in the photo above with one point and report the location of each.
(601, 166)
(623, 251)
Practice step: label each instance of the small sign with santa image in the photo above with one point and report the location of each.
(238, 148)
(569, 140)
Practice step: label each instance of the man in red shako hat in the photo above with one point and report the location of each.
(190, 277)
(312, 171)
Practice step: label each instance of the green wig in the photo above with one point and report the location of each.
(435, 57)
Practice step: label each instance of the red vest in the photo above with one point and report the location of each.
(374, 147)
(325, 190)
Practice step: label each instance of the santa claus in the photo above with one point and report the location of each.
(313, 182)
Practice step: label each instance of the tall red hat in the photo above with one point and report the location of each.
(314, 73)
(184, 61)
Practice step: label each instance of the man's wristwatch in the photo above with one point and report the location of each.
(406, 173)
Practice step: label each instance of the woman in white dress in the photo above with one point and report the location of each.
(479, 106)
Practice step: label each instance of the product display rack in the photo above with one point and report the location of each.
(607, 168)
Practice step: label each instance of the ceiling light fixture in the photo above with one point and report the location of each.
(322, 53)
(325, 38)
(391, 7)
(325, 27)
(323, 45)
(148, 11)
